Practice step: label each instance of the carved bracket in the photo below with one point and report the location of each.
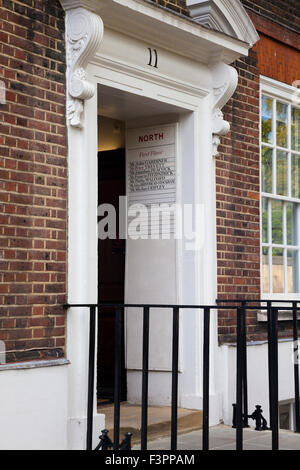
(225, 79)
(84, 32)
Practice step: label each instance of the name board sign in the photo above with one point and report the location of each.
(151, 165)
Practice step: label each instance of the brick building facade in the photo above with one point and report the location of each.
(34, 184)
(276, 56)
(33, 180)
(48, 182)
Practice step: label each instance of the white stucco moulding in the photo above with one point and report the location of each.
(225, 80)
(84, 33)
(226, 16)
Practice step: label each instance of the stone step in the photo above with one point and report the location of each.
(159, 420)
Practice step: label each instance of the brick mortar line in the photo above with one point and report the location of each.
(33, 140)
(52, 229)
(6, 67)
(37, 206)
(47, 165)
(225, 235)
(36, 173)
(26, 51)
(32, 129)
(30, 216)
(26, 29)
(263, 14)
(19, 71)
(14, 114)
(38, 239)
(17, 204)
(47, 15)
(46, 100)
(31, 118)
(40, 250)
(62, 62)
(235, 196)
(39, 283)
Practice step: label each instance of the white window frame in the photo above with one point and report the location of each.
(284, 93)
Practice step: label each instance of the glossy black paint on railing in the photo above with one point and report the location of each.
(241, 415)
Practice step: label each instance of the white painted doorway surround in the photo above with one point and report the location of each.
(115, 43)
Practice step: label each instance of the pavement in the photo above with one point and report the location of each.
(189, 430)
(223, 438)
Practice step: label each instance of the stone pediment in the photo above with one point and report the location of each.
(226, 16)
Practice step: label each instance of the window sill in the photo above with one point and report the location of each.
(283, 315)
(34, 364)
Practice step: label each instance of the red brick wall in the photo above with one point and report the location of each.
(237, 189)
(276, 55)
(278, 61)
(284, 12)
(178, 6)
(33, 184)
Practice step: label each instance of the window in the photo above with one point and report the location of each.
(280, 190)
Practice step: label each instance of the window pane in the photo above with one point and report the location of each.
(296, 129)
(265, 270)
(277, 270)
(295, 175)
(266, 170)
(277, 214)
(265, 225)
(266, 119)
(291, 224)
(292, 263)
(282, 173)
(281, 124)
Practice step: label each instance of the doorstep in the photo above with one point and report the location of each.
(159, 420)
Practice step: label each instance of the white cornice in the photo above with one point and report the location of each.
(91, 5)
(147, 75)
(162, 28)
(226, 16)
(158, 27)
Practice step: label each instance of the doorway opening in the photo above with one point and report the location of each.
(120, 113)
(111, 254)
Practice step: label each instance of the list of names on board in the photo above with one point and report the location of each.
(151, 165)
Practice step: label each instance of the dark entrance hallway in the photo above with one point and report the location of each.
(111, 272)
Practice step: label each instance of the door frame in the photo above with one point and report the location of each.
(196, 131)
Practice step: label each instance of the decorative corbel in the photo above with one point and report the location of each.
(84, 32)
(225, 79)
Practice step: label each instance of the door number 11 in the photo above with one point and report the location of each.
(153, 57)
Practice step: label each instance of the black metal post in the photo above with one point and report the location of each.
(245, 372)
(296, 368)
(174, 406)
(144, 424)
(117, 388)
(239, 380)
(91, 375)
(273, 367)
(269, 323)
(206, 333)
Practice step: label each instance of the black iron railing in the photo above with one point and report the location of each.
(241, 415)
